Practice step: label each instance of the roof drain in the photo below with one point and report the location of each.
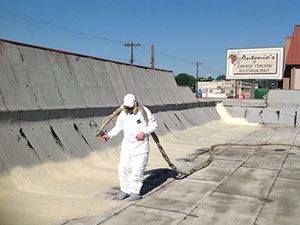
(245, 114)
(278, 115)
(260, 113)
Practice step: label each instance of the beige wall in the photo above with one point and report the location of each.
(295, 78)
(286, 83)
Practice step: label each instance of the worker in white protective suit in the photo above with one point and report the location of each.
(135, 146)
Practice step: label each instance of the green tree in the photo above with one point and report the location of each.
(201, 79)
(221, 77)
(210, 78)
(185, 79)
(272, 84)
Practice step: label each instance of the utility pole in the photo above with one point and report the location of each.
(131, 45)
(196, 86)
(152, 57)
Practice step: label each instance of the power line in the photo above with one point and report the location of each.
(40, 24)
(55, 31)
(141, 63)
(181, 59)
(163, 54)
(54, 28)
(209, 68)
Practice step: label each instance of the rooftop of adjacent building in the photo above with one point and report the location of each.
(293, 56)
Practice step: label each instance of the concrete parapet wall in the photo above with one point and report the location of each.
(282, 108)
(38, 79)
(52, 102)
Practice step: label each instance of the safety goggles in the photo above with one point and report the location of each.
(127, 108)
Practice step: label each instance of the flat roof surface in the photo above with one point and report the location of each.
(243, 185)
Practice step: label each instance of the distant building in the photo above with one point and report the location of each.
(291, 77)
(225, 89)
(212, 88)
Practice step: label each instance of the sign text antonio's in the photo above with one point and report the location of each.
(257, 63)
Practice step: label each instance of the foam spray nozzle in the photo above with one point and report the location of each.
(100, 133)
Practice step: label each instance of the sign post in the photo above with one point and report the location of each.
(253, 89)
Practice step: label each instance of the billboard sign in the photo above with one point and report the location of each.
(255, 63)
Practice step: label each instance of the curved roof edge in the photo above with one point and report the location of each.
(80, 55)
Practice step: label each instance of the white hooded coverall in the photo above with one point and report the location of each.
(134, 153)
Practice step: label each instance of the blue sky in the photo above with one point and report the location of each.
(183, 32)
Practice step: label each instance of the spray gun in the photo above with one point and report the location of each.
(100, 133)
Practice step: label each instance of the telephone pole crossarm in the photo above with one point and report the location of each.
(131, 45)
